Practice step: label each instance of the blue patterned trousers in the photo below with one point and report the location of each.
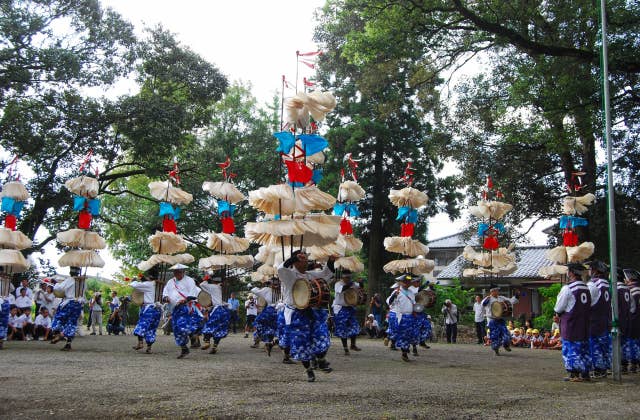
(424, 327)
(630, 350)
(266, 324)
(320, 337)
(499, 334)
(184, 324)
(149, 318)
(393, 326)
(302, 335)
(66, 319)
(405, 334)
(4, 318)
(284, 336)
(346, 324)
(217, 326)
(600, 350)
(576, 356)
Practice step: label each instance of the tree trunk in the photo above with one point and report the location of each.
(376, 231)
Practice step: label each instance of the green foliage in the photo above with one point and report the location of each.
(458, 295)
(549, 295)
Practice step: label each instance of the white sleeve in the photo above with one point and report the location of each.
(338, 287)
(144, 286)
(286, 275)
(486, 301)
(165, 290)
(513, 300)
(562, 300)
(595, 293)
(260, 292)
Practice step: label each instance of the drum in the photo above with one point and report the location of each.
(204, 299)
(261, 303)
(426, 298)
(501, 309)
(137, 297)
(418, 308)
(313, 293)
(355, 296)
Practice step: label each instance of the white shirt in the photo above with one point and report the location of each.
(49, 301)
(403, 304)
(338, 301)
(565, 300)
(115, 302)
(177, 290)
(479, 311)
(215, 291)
(288, 276)
(451, 314)
(148, 289)
(594, 285)
(44, 321)
(251, 307)
(69, 288)
(24, 302)
(29, 291)
(488, 301)
(17, 321)
(40, 297)
(265, 293)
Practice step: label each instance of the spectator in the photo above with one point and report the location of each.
(450, 311)
(536, 339)
(39, 296)
(114, 324)
(479, 319)
(234, 304)
(555, 342)
(95, 313)
(50, 300)
(371, 326)
(114, 303)
(251, 308)
(527, 337)
(27, 328)
(517, 340)
(42, 325)
(24, 284)
(23, 300)
(16, 322)
(556, 323)
(375, 308)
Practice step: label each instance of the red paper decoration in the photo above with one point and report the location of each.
(84, 219)
(407, 229)
(169, 225)
(345, 227)
(570, 238)
(299, 172)
(491, 243)
(10, 221)
(227, 225)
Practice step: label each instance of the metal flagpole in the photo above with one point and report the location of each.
(613, 276)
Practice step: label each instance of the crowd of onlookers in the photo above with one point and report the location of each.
(31, 313)
(533, 338)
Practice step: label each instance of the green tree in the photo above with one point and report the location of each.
(549, 295)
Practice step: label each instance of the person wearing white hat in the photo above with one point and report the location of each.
(65, 322)
(498, 332)
(150, 310)
(404, 300)
(346, 324)
(306, 336)
(217, 325)
(266, 321)
(181, 292)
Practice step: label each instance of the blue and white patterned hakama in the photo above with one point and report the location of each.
(301, 335)
(499, 334)
(184, 323)
(149, 318)
(66, 318)
(284, 336)
(266, 324)
(576, 356)
(405, 333)
(630, 349)
(601, 350)
(320, 337)
(424, 327)
(346, 324)
(5, 310)
(217, 326)
(392, 329)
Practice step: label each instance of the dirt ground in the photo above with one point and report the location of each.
(104, 378)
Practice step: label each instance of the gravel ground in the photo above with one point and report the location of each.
(104, 377)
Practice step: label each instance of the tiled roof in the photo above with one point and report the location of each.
(529, 260)
(457, 240)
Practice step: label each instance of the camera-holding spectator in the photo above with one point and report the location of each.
(450, 311)
(114, 303)
(114, 324)
(371, 326)
(50, 300)
(251, 307)
(375, 308)
(95, 311)
(39, 296)
(234, 304)
(479, 318)
(42, 325)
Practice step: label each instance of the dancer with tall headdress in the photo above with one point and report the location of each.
(14, 197)
(81, 246)
(227, 245)
(404, 328)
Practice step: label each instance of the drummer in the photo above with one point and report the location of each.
(299, 324)
(498, 332)
(65, 322)
(181, 292)
(346, 324)
(423, 325)
(150, 310)
(5, 309)
(403, 300)
(217, 326)
(266, 321)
